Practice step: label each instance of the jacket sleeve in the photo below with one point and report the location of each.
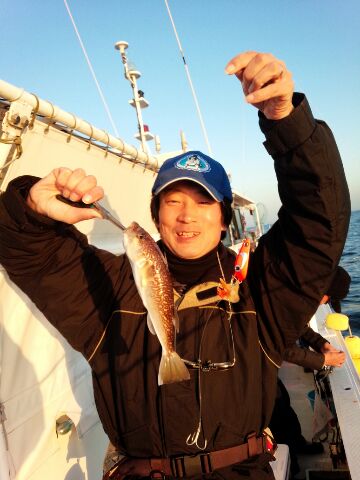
(313, 339)
(74, 284)
(304, 357)
(295, 260)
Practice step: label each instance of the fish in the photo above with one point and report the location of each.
(154, 284)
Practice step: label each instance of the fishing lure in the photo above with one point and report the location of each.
(229, 291)
(242, 261)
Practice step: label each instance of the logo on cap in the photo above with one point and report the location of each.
(194, 163)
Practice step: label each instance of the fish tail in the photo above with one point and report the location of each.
(172, 369)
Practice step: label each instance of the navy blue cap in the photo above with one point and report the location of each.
(196, 167)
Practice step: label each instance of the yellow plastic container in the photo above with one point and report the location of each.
(357, 364)
(337, 321)
(353, 345)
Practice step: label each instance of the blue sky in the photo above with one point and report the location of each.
(319, 41)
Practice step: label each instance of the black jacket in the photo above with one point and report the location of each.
(90, 296)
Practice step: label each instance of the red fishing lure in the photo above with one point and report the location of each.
(229, 291)
(242, 261)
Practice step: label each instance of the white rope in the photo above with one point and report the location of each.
(92, 70)
(190, 81)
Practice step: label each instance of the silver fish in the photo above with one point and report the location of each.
(154, 285)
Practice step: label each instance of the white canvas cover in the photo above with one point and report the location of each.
(42, 377)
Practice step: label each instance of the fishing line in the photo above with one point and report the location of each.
(92, 70)
(193, 438)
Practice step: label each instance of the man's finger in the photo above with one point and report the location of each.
(270, 73)
(93, 195)
(75, 178)
(61, 175)
(239, 62)
(277, 89)
(84, 185)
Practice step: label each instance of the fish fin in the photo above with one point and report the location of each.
(176, 321)
(172, 369)
(150, 325)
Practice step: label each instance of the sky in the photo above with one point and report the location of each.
(318, 40)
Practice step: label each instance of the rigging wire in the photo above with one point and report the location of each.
(92, 70)
(190, 81)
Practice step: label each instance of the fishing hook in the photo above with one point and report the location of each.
(193, 438)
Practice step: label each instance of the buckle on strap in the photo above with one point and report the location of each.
(252, 444)
(184, 465)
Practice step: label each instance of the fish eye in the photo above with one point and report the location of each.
(140, 236)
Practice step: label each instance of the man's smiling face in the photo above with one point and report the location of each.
(190, 220)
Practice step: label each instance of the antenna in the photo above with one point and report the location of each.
(138, 102)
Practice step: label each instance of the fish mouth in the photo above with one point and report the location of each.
(187, 234)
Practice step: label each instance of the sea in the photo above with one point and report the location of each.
(350, 260)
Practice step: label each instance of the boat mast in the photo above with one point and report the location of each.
(139, 102)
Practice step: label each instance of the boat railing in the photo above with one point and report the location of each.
(55, 114)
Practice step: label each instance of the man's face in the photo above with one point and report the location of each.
(190, 220)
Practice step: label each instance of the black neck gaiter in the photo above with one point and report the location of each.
(187, 273)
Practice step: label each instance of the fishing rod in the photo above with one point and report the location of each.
(190, 81)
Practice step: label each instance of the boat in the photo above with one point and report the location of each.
(49, 424)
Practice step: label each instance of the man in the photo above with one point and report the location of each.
(233, 350)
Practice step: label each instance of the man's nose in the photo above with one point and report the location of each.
(187, 213)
